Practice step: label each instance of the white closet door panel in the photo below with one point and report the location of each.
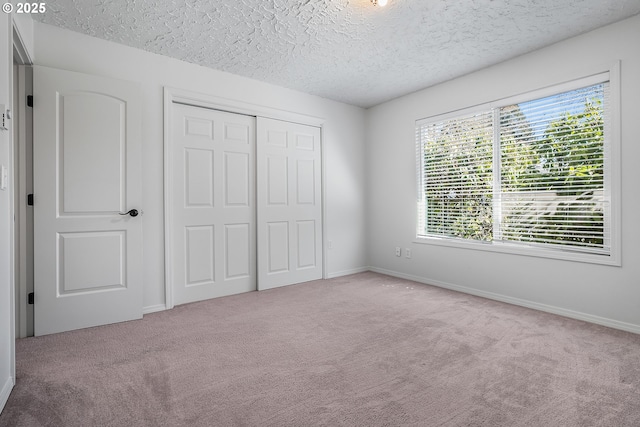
(289, 203)
(277, 247)
(236, 179)
(199, 255)
(213, 212)
(198, 177)
(306, 240)
(238, 250)
(277, 185)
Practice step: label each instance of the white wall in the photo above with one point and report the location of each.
(24, 26)
(6, 283)
(343, 138)
(603, 294)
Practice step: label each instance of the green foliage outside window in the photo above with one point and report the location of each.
(551, 180)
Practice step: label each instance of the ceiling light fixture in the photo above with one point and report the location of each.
(380, 3)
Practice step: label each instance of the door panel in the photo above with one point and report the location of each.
(236, 179)
(200, 255)
(305, 182)
(306, 232)
(92, 126)
(277, 180)
(198, 170)
(278, 247)
(213, 212)
(289, 203)
(87, 257)
(91, 261)
(237, 250)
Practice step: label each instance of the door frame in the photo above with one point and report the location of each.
(181, 96)
(21, 139)
(23, 179)
(18, 54)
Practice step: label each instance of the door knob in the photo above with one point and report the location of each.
(132, 212)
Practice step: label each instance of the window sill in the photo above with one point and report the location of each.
(564, 255)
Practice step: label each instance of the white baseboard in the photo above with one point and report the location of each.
(347, 272)
(6, 391)
(153, 308)
(611, 323)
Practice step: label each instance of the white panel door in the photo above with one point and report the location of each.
(86, 162)
(289, 203)
(213, 203)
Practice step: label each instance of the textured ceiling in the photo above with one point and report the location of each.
(346, 50)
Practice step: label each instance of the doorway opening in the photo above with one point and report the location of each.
(22, 122)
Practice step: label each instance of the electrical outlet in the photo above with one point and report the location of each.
(329, 244)
(407, 253)
(398, 251)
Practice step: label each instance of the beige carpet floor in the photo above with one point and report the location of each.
(361, 350)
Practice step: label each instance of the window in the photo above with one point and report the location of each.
(528, 174)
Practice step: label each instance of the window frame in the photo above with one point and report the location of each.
(612, 75)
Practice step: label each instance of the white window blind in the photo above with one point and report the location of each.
(457, 176)
(553, 158)
(532, 172)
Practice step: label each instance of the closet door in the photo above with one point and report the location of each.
(213, 204)
(289, 203)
